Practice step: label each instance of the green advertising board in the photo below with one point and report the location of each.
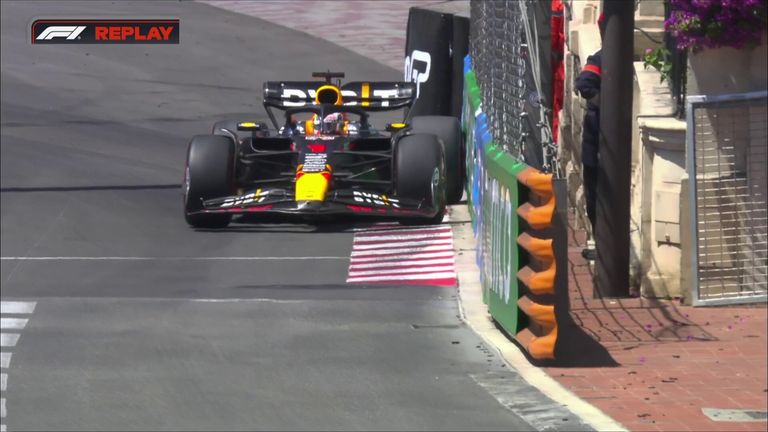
(500, 230)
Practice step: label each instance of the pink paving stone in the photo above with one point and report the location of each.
(710, 358)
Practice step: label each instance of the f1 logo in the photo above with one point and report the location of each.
(105, 31)
(68, 32)
(412, 73)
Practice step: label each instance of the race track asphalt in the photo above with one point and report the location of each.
(142, 323)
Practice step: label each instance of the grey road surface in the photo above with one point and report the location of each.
(142, 323)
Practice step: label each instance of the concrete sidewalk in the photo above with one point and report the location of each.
(659, 365)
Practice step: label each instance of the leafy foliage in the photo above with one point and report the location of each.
(658, 59)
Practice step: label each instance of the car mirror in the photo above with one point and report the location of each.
(249, 126)
(394, 127)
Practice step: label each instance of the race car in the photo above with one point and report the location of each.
(333, 162)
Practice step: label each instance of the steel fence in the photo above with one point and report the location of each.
(727, 156)
(509, 45)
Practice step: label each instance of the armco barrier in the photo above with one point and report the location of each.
(520, 222)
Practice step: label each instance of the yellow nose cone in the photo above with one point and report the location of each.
(311, 187)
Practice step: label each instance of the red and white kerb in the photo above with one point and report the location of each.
(403, 256)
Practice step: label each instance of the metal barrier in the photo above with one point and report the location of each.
(727, 155)
(520, 222)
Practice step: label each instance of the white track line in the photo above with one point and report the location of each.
(246, 300)
(400, 263)
(13, 323)
(3, 412)
(17, 307)
(5, 360)
(402, 270)
(3, 381)
(445, 275)
(134, 258)
(9, 339)
(397, 258)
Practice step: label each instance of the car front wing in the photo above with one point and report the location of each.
(345, 201)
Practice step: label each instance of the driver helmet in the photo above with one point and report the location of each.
(332, 124)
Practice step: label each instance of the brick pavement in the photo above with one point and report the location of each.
(654, 364)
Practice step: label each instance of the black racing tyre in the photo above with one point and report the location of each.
(448, 130)
(419, 173)
(209, 174)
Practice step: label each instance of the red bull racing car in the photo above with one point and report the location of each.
(333, 162)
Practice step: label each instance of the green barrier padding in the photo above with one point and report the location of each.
(468, 119)
(469, 163)
(500, 230)
(473, 90)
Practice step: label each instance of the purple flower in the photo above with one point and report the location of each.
(699, 24)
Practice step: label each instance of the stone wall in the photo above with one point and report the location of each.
(720, 71)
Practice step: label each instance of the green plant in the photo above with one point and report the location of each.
(659, 59)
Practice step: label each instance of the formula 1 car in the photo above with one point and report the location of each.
(334, 162)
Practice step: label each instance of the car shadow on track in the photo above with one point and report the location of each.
(259, 223)
(300, 224)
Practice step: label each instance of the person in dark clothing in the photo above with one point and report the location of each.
(588, 86)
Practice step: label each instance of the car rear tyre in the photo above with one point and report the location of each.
(448, 130)
(208, 174)
(419, 174)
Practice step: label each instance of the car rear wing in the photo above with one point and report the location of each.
(372, 96)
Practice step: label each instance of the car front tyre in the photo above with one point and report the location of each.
(209, 173)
